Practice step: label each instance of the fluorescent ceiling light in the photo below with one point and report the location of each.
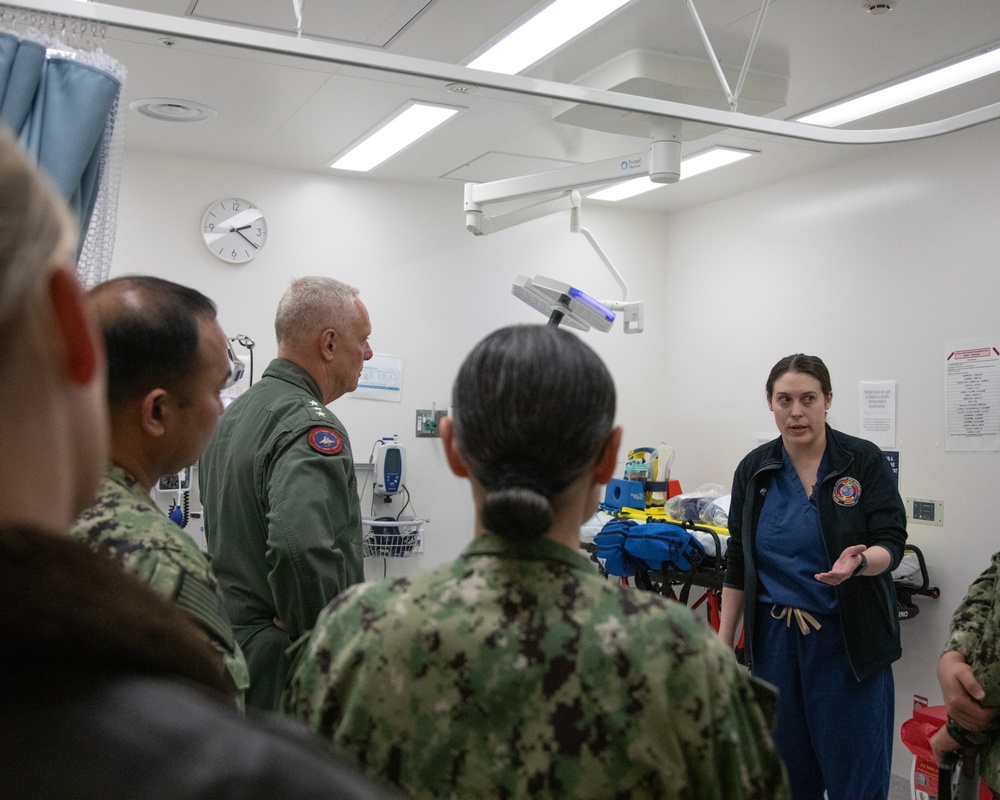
(922, 86)
(553, 26)
(690, 166)
(401, 131)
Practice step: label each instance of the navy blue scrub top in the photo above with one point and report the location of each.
(789, 544)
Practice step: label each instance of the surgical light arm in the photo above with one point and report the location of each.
(661, 162)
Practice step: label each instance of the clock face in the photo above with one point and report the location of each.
(234, 230)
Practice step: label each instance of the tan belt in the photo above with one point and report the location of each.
(803, 618)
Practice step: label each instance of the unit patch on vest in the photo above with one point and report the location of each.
(847, 492)
(325, 441)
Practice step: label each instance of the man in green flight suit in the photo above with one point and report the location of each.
(167, 363)
(282, 513)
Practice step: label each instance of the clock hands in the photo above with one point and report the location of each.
(240, 232)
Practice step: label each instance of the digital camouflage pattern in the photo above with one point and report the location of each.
(127, 526)
(282, 517)
(517, 672)
(975, 633)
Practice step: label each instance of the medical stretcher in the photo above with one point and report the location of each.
(703, 567)
(675, 578)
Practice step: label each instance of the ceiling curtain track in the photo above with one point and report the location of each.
(59, 93)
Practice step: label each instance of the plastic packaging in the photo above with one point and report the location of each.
(717, 512)
(687, 507)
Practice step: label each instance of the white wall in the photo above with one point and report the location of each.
(874, 266)
(432, 290)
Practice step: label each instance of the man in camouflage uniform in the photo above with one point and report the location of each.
(282, 513)
(969, 674)
(167, 362)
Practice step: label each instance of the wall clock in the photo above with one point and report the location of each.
(234, 230)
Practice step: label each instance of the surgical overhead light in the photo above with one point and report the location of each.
(563, 303)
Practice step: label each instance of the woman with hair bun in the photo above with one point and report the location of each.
(516, 670)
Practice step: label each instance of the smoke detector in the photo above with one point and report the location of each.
(879, 6)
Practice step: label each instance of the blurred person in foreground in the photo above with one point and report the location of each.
(517, 671)
(106, 690)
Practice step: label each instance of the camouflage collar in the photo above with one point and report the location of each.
(540, 549)
(125, 479)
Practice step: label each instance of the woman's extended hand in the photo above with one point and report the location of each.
(843, 568)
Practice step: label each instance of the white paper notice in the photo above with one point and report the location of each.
(972, 372)
(877, 401)
(381, 379)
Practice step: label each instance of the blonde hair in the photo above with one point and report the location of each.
(36, 230)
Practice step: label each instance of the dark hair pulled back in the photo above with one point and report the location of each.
(807, 365)
(532, 408)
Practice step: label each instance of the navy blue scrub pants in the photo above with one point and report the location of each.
(833, 732)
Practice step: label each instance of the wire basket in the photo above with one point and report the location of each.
(390, 538)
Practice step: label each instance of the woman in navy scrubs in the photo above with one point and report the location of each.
(816, 526)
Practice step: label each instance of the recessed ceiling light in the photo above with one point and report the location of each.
(402, 130)
(169, 109)
(712, 158)
(552, 27)
(913, 89)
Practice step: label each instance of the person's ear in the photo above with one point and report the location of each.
(446, 428)
(328, 344)
(769, 407)
(608, 458)
(829, 401)
(156, 411)
(78, 336)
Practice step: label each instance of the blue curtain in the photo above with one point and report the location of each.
(62, 111)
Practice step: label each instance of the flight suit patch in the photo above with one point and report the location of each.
(325, 441)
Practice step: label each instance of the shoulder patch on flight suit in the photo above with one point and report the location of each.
(325, 441)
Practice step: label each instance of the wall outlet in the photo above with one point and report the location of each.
(427, 423)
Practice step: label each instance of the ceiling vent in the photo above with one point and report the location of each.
(669, 77)
(878, 6)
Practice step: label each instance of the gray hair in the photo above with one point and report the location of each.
(36, 230)
(311, 304)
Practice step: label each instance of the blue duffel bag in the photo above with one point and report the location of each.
(609, 548)
(660, 546)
